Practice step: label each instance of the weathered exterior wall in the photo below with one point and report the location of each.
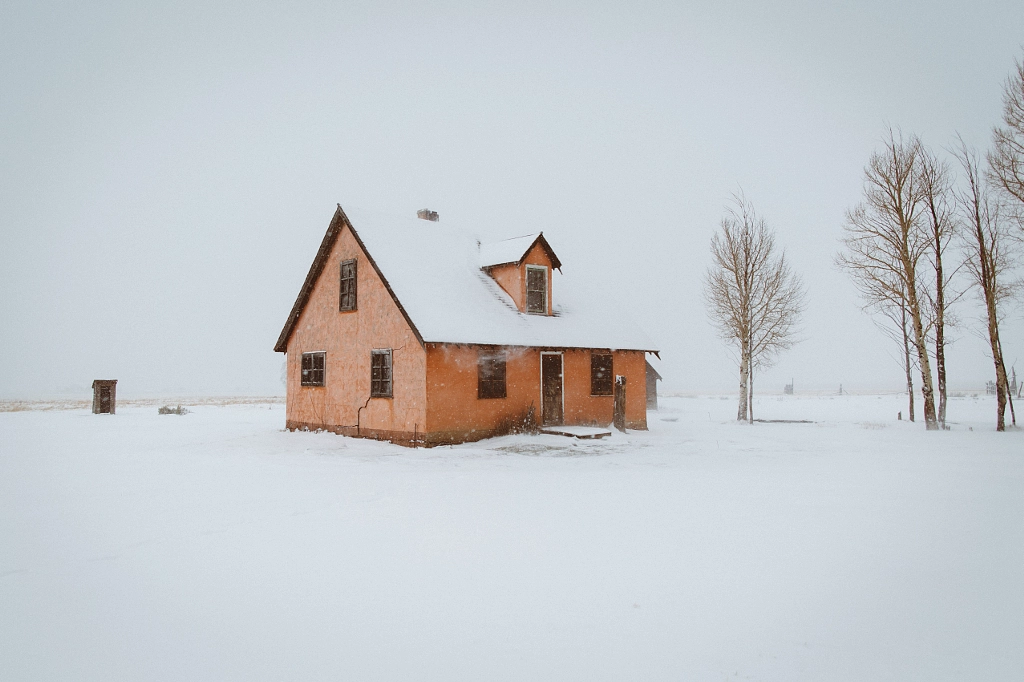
(455, 413)
(512, 278)
(633, 365)
(347, 337)
(583, 408)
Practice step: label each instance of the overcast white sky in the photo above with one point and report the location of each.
(167, 172)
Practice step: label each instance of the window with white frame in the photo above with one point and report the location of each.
(313, 368)
(537, 289)
(380, 373)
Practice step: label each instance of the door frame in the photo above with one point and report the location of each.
(561, 359)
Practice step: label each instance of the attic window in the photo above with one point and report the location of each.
(313, 368)
(490, 368)
(348, 285)
(380, 373)
(537, 289)
(600, 374)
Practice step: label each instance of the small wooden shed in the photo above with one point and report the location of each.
(104, 394)
(652, 386)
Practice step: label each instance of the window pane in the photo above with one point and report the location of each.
(313, 369)
(491, 375)
(380, 374)
(600, 374)
(536, 290)
(347, 296)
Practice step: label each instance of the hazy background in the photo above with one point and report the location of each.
(167, 172)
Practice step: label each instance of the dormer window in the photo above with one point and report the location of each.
(522, 268)
(537, 289)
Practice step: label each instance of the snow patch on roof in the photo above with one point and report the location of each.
(434, 271)
(506, 251)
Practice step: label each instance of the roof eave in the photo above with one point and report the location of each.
(317, 267)
(555, 263)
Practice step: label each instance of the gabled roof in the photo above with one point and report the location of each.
(433, 273)
(339, 222)
(514, 250)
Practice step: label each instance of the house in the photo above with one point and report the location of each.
(412, 331)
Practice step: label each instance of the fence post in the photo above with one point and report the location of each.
(619, 414)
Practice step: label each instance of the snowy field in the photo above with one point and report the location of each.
(215, 546)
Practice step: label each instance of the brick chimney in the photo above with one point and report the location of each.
(427, 214)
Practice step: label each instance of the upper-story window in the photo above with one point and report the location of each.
(348, 285)
(537, 289)
(313, 368)
(380, 373)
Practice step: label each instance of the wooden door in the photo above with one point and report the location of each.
(104, 400)
(551, 388)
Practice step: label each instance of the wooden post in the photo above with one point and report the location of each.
(619, 414)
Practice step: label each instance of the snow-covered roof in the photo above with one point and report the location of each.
(655, 364)
(434, 271)
(507, 250)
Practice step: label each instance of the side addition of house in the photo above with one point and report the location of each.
(412, 331)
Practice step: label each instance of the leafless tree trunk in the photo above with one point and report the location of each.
(987, 245)
(908, 364)
(750, 393)
(884, 244)
(753, 297)
(937, 188)
(895, 325)
(741, 411)
(1006, 159)
(900, 333)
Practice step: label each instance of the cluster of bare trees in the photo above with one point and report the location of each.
(924, 235)
(752, 295)
(931, 228)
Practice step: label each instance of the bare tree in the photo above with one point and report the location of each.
(1006, 159)
(987, 243)
(752, 295)
(940, 225)
(884, 244)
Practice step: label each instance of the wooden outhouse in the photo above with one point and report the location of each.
(104, 396)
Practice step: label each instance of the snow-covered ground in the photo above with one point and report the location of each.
(215, 546)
